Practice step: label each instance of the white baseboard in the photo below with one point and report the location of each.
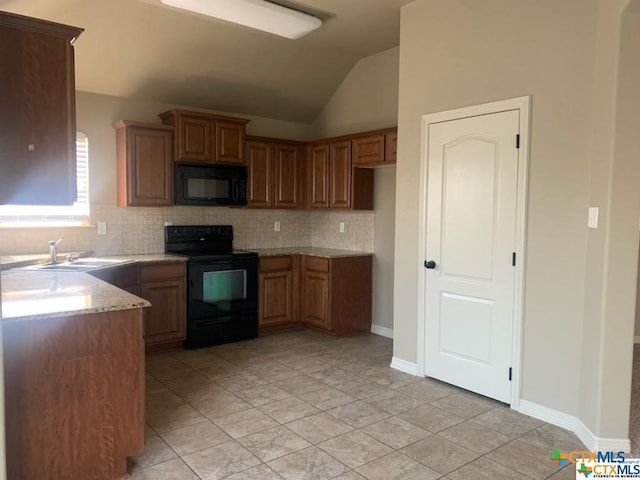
(636, 339)
(404, 366)
(601, 444)
(564, 420)
(382, 331)
(549, 415)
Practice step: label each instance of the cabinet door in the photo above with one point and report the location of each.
(318, 176)
(287, 176)
(340, 175)
(369, 150)
(165, 320)
(276, 298)
(145, 169)
(193, 138)
(315, 299)
(229, 143)
(37, 114)
(391, 145)
(260, 172)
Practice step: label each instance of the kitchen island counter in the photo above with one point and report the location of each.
(36, 295)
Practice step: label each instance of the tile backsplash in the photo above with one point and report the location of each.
(140, 230)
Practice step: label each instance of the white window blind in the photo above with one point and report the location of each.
(76, 214)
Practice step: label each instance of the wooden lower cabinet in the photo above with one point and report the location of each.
(336, 294)
(279, 293)
(330, 295)
(74, 396)
(164, 285)
(316, 297)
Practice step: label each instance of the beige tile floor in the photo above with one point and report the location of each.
(301, 405)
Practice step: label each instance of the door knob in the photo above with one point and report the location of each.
(430, 264)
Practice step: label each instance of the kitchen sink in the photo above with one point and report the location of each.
(80, 265)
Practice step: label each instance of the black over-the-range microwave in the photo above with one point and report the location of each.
(209, 184)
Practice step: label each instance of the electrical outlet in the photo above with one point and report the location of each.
(102, 228)
(341, 227)
(276, 226)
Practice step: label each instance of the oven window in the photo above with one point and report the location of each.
(206, 188)
(225, 285)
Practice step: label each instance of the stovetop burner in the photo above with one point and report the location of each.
(202, 241)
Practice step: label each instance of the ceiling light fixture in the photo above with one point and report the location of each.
(260, 14)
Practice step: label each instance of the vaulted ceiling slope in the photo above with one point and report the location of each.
(142, 49)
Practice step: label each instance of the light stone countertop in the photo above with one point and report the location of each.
(309, 251)
(33, 295)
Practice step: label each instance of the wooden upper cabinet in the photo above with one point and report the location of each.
(287, 176)
(37, 114)
(145, 168)
(340, 175)
(259, 157)
(377, 149)
(318, 176)
(205, 138)
(193, 138)
(229, 143)
(390, 147)
(368, 150)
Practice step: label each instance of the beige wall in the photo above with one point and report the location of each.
(612, 250)
(579, 284)
(456, 53)
(367, 99)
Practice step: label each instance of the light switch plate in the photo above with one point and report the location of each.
(592, 222)
(341, 227)
(276, 226)
(102, 228)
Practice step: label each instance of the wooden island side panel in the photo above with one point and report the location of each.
(74, 389)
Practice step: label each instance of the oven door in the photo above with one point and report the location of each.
(222, 288)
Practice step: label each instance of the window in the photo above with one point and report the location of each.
(41, 216)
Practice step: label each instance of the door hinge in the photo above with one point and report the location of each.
(518, 140)
(513, 259)
(510, 373)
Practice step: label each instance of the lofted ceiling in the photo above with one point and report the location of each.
(142, 49)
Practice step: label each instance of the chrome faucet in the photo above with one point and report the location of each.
(53, 250)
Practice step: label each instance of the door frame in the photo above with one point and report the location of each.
(522, 105)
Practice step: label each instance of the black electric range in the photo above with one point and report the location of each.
(222, 284)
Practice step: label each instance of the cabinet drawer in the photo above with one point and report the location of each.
(274, 264)
(317, 264)
(153, 272)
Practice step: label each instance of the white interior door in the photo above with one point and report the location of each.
(470, 237)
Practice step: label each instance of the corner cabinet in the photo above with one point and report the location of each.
(145, 168)
(336, 294)
(37, 118)
(201, 137)
(333, 183)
